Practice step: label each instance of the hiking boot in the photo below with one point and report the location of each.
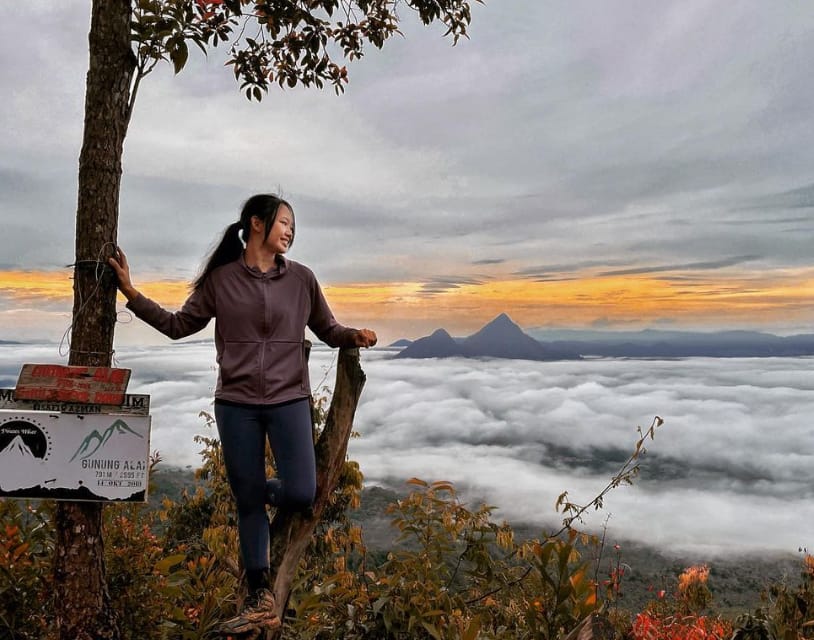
(257, 615)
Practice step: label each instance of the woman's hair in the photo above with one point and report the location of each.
(263, 206)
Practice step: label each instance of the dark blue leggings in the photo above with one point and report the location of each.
(243, 431)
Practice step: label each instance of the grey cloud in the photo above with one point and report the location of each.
(561, 272)
(37, 231)
(544, 277)
(445, 283)
(690, 266)
(565, 267)
(799, 198)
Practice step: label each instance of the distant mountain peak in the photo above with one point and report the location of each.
(502, 328)
(502, 337)
(503, 321)
(439, 344)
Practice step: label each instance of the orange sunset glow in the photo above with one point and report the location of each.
(741, 298)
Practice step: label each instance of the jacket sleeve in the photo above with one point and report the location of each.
(324, 325)
(193, 316)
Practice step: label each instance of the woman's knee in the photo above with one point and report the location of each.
(249, 496)
(299, 498)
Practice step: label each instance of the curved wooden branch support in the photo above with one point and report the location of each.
(290, 533)
(594, 627)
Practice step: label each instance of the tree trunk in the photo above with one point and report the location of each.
(291, 532)
(81, 599)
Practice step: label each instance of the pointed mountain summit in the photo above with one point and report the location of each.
(503, 338)
(501, 321)
(501, 328)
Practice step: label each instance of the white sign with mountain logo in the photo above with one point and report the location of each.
(98, 457)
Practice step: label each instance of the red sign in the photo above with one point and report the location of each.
(56, 382)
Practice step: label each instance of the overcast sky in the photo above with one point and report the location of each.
(574, 164)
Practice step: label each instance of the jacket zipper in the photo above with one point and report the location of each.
(304, 368)
(262, 371)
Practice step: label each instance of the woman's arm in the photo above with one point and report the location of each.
(192, 317)
(327, 329)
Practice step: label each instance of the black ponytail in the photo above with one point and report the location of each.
(230, 247)
(228, 250)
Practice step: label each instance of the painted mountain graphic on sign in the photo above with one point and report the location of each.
(95, 440)
(17, 449)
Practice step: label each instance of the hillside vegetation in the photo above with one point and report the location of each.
(736, 581)
(386, 565)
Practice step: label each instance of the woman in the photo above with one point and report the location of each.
(261, 303)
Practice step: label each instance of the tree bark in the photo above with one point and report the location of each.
(81, 600)
(291, 532)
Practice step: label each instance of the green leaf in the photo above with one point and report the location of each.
(164, 565)
(179, 56)
(200, 45)
(377, 606)
(472, 630)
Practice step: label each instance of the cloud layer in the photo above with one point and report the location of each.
(729, 471)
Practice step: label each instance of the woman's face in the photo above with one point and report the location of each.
(282, 231)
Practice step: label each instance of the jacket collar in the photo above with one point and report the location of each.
(275, 272)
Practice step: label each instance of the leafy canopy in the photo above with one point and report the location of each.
(288, 42)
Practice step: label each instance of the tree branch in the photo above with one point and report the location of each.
(290, 533)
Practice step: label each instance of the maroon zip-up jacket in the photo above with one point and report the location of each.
(260, 321)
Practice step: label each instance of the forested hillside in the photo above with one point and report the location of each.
(417, 563)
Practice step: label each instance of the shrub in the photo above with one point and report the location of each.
(26, 552)
(131, 551)
(791, 608)
(647, 626)
(454, 575)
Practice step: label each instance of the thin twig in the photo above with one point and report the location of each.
(623, 474)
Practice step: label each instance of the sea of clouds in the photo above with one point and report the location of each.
(731, 470)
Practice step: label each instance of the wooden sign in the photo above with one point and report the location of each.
(135, 404)
(60, 383)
